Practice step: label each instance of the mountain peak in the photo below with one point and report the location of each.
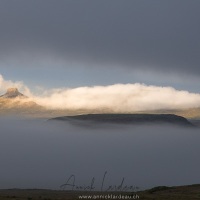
(12, 90)
(13, 93)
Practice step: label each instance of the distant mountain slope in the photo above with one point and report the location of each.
(192, 113)
(129, 119)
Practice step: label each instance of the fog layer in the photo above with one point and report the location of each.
(38, 154)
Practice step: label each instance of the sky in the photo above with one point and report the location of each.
(123, 55)
(74, 43)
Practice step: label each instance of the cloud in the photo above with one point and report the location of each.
(114, 98)
(120, 98)
(146, 35)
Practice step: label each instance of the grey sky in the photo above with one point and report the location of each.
(147, 36)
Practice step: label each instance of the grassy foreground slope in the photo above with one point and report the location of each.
(191, 192)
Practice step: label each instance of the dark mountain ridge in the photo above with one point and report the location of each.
(129, 119)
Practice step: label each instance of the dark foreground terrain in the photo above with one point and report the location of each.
(191, 192)
(128, 119)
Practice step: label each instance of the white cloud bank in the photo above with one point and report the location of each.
(117, 98)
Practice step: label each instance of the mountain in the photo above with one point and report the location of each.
(13, 93)
(15, 103)
(128, 119)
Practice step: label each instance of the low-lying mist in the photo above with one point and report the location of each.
(44, 154)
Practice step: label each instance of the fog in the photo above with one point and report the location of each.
(41, 154)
